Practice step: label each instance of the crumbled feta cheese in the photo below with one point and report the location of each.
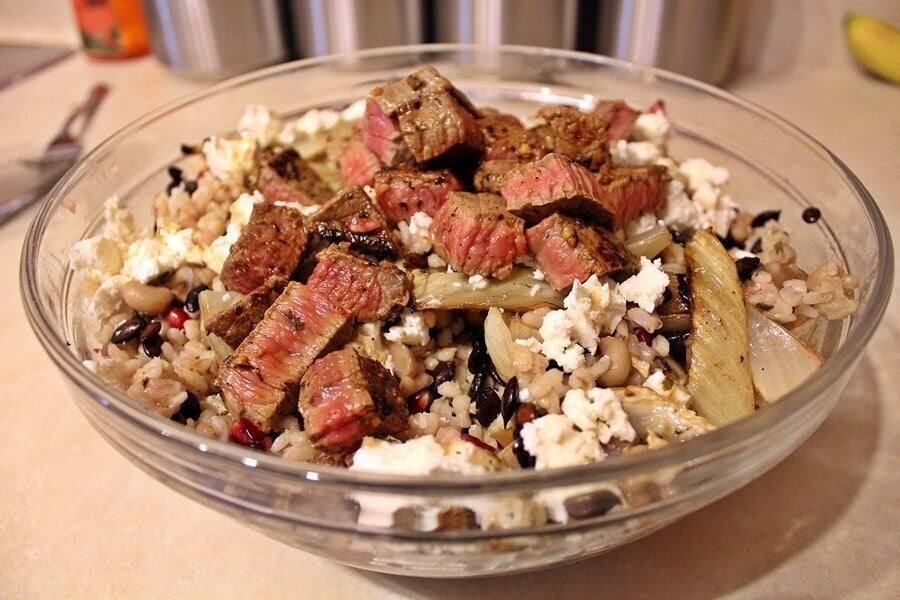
(538, 274)
(646, 289)
(554, 442)
(634, 154)
(412, 330)
(689, 208)
(119, 223)
(96, 257)
(231, 157)
(697, 171)
(436, 262)
(651, 127)
(147, 258)
(107, 300)
(535, 289)
(416, 234)
(259, 121)
(240, 210)
(355, 111)
(645, 222)
(478, 282)
(600, 412)
(661, 345)
(422, 456)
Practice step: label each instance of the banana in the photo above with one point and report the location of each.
(874, 44)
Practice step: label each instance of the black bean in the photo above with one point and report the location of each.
(175, 175)
(492, 371)
(757, 247)
(188, 149)
(593, 504)
(812, 214)
(192, 300)
(487, 406)
(728, 242)
(526, 460)
(150, 330)
(443, 373)
(746, 266)
(477, 357)
(190, 186)
(477, 384)
(510, 400)
(677, 348)
(678, 236)
(152, 346)
(128, 330)
(764, 217)
(189, 409)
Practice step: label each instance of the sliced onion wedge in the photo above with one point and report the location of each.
(719, 377)
(212, 302)
(779, 361)
(651, 242)
(519, 292)
(497, 339)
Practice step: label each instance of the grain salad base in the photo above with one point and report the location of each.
(577, 367)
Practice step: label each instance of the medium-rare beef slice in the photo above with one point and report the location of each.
(395, 95)
(352, 217)
(578, 135)
(438, 128)
(554, 184)
(358, 164)
(632, 191)
(382, 136)
(235, 323)
(507, 144)
(401, 193)
(366, 290)
(260, 379)
(567, 249)
(345, 397)
(272, 243)
(285, 177)
(619, 118)
(476, 235)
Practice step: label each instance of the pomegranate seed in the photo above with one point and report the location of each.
(246, 433)
(474, 440)
(642, 335)
(420, 402)
(176, 317)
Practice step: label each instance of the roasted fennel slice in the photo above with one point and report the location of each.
(779, 361)
(719, 376)
(519, 292)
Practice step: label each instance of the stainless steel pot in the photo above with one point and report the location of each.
(549, 23)
(329, 26)
(215, 39)
(697, 38)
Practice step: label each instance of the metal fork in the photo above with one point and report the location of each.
(66, 146)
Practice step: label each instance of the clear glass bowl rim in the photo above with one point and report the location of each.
(864, 322)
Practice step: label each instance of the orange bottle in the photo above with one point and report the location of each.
(112, 29)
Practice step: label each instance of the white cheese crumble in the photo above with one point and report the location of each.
(231, 158)
(554, 442)
(600, 412)
(240, 210)
(422, 456)
(417, 233)
(646, 289)
(652, 127)
(478, 282)
(634, 154)
(412, 330)
(262, 123)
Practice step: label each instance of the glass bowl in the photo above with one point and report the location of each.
(316, 508)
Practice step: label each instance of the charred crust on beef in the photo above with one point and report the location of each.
(235, 323)
(284, 176)
(352, 217)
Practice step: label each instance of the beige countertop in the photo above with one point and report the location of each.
(78, 520)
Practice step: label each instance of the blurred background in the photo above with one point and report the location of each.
(711, 40)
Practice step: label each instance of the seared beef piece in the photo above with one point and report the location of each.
(401, 193)
(507, 144)
(475, 235)
(619, 118)
(352, 217)
(555, 184)
(285, 177)
(260, 379)
(236, 323)
(567, 249)
(366, 290)
(272, 243)
(403, 92)
(438, 128)
(635, 190)
(344, 397)
(381, 134)
(578, 135)
(358, 163)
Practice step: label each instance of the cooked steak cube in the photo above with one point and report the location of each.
(567, 249)
(578, 135)
(358, 163)
(476, 235)
(619, 118)
(506, 138)
(635, 190)
(235, 323)
(366, 290)
(344, 397)
(488, 177)
(272, 243)
(403, 92)
(352, 217)
(285, 177)
(401, 193)
(261, 378)
(437, 127)
(381, 134)
(555, 184)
